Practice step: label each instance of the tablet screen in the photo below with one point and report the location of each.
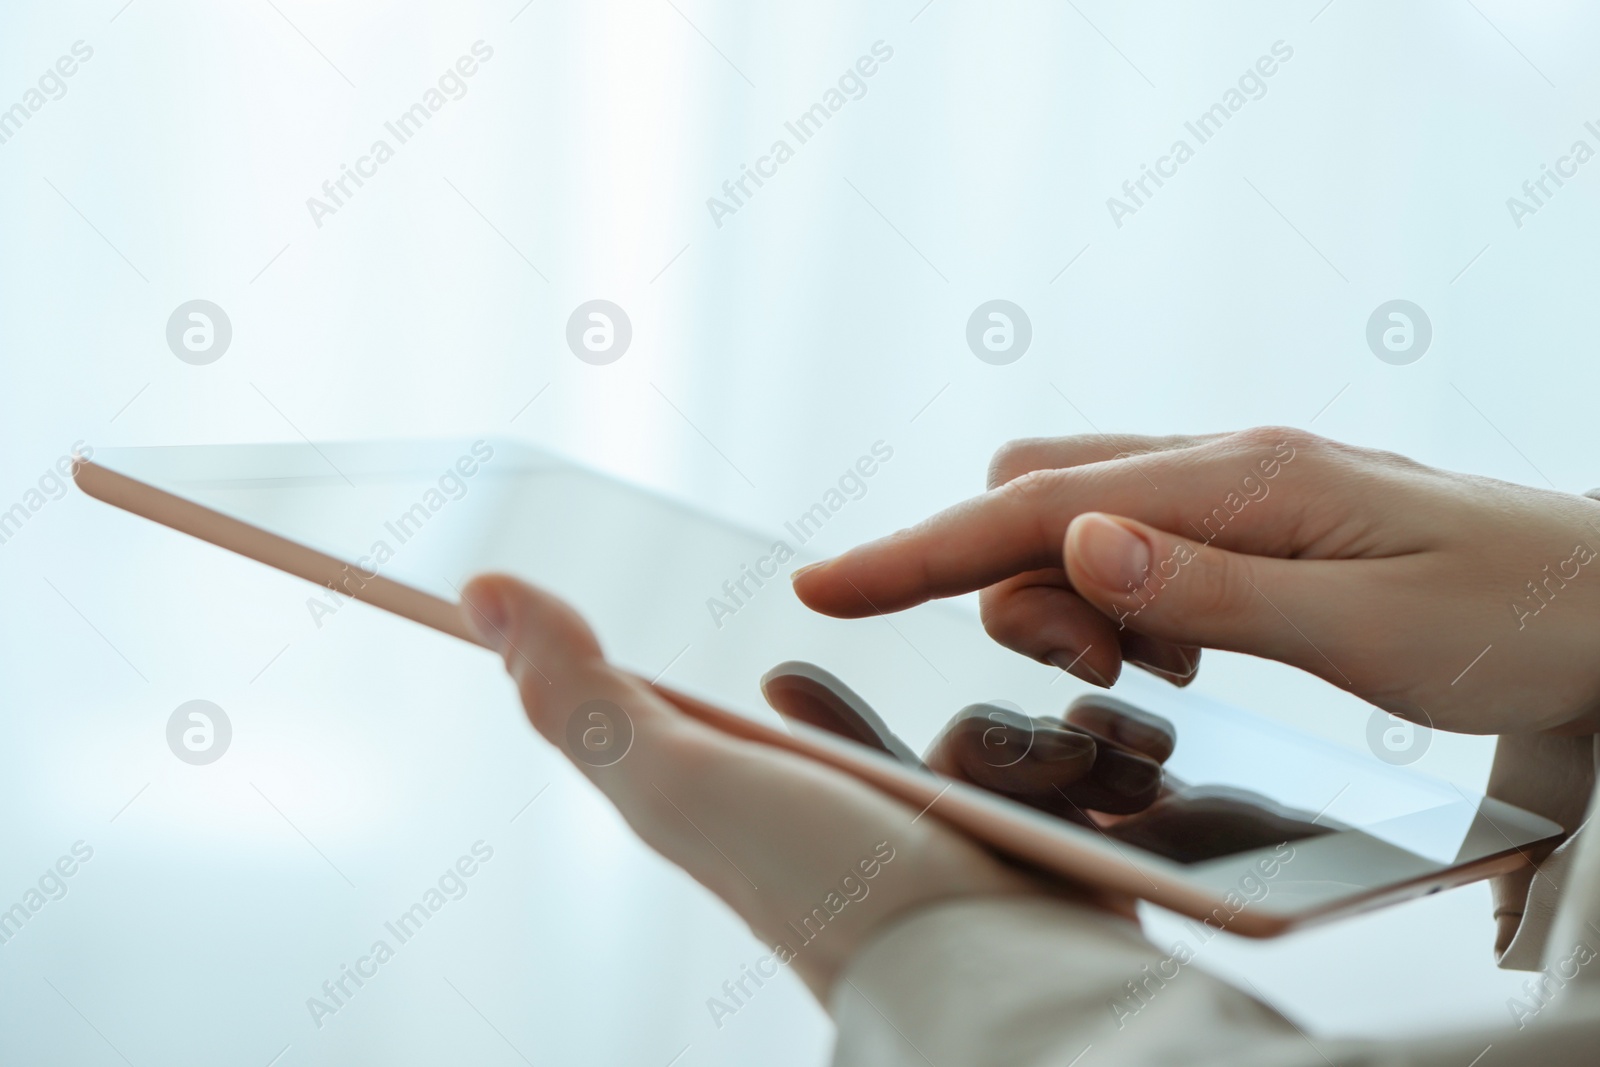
(683, 597)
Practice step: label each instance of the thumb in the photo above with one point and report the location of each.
(573, 697)
(1190, 592)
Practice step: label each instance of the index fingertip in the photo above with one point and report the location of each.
(820, 588)
(794, 575)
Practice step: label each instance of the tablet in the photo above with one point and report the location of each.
(703, 610)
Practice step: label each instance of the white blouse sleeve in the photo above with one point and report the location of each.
(1036, 982)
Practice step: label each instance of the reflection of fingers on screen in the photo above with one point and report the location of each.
(1208, 822)
(1006, 752)
(1130, 727)
(804, 692)
(1123, 781)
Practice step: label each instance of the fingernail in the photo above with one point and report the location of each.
(1179, 666)
(1006, 742)
(1055, 746)
(487, 618)
(808, 567)
(1113, 555)
(1076, 664)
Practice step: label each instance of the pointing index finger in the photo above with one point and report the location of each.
(965, 547)
(1020, 525)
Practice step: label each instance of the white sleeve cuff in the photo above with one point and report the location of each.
(1025, 980)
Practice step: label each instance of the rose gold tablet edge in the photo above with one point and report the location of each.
(263, 546)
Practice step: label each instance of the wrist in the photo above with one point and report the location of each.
(932, 867)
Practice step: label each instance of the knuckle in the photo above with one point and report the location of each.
(999, 623)
(1036, 494)
(1005, 619)
(1018, 457)
(1289, 440)
(1035, 486)
(1030, 619)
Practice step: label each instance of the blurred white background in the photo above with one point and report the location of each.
(768, 352)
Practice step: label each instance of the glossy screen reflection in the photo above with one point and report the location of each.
(1167, 771)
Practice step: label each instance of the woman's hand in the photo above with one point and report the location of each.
(812, 859)
(1467, 602)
